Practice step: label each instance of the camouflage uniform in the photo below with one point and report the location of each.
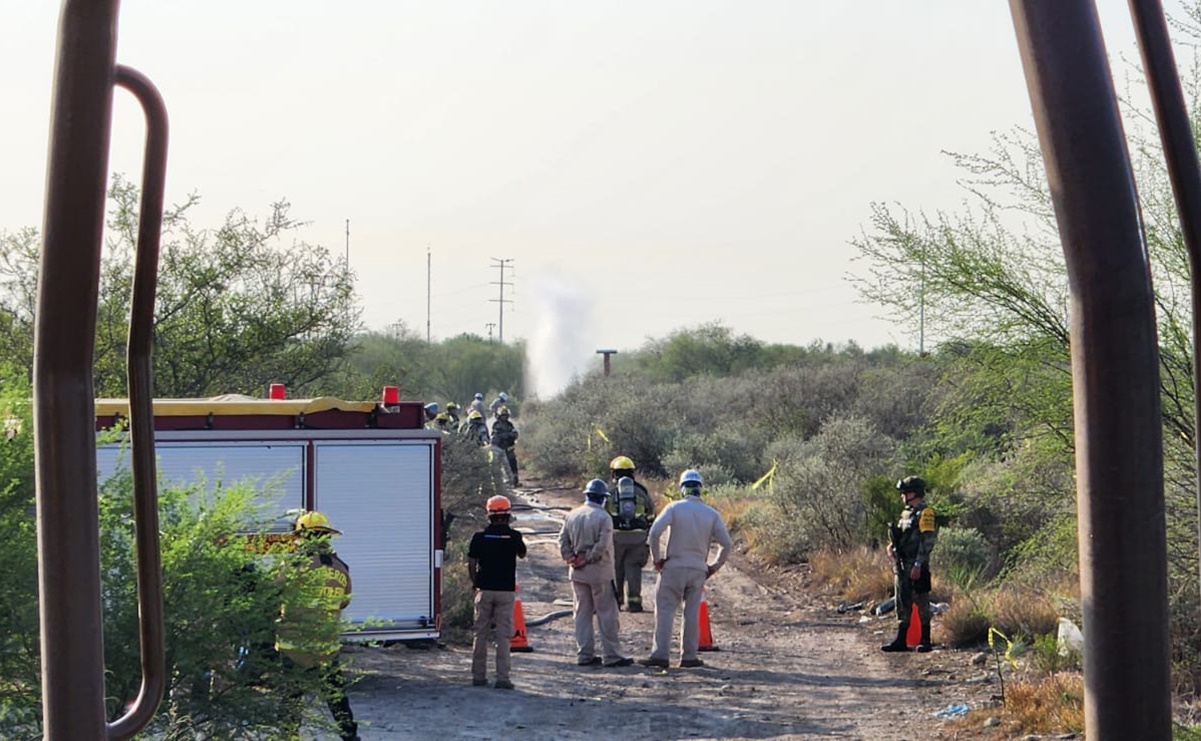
(912, 540)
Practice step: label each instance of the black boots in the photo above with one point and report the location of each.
(899, 644)
(925, 646)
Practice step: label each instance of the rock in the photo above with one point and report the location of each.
(992, 722)
(980, 658)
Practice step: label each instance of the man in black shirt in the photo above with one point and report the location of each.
(492, 564)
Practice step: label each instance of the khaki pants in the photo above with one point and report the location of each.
(492, 609)
(630, 554)
(597, 598)
(678, 585)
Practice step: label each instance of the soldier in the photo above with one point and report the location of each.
(504, 436)
(586, 544)
(910, 542)
(632, 510)
(492, 564)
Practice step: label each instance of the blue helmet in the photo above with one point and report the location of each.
(433, 407)
(503, 396)
(596, 491)
(691, 482)
(479, 396)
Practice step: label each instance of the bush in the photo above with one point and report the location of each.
(960, 549)
(221, 603)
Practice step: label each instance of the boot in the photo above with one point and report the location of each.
(899, 644)
(925, 646)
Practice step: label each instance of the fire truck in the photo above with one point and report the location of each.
(371, 467)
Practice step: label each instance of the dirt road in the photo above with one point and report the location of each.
(786, 669)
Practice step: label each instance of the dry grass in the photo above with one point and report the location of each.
(1021, 612)
(1054, 704)
(1046, 708)
(858, 574)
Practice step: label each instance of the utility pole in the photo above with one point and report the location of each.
(606, 353)
(490, 325)
(429, 269)
(503, 264)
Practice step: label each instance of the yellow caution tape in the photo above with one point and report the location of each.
(769, 477)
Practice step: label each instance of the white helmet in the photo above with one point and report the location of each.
(504, 396)
(691, 482)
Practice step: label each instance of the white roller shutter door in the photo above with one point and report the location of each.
(380, 495)
(276, 469)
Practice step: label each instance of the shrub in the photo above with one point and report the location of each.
(960, 549)
(221, 604)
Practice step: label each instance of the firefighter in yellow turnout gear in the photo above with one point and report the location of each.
(302, 642)
(632, 509)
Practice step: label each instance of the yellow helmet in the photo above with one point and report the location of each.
(475, 414)
(621, 463)
(315, 522)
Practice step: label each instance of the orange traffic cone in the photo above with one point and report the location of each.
(914, 635)
(706, 639)
(519, 643)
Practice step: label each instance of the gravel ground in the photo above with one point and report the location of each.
(789, 666)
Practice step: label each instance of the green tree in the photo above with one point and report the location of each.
(237, 307)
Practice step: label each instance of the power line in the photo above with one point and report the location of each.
(503, 264)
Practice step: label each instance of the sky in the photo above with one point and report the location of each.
(639, 167)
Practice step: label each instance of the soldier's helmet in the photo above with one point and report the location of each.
(912, 483)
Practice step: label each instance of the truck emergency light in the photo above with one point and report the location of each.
(277, 391)
(391, 395)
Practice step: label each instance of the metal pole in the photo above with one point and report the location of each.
(1180, 151)
(1115, 368)
(64, 342)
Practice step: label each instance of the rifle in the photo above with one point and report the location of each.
(894, 538)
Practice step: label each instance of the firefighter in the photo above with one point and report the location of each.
(452, 411)
(319, 655)
(492, 566)
(443, 424)
(632, 510)
(504, 436)
(477, 429)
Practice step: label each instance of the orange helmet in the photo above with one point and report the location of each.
(498, 505)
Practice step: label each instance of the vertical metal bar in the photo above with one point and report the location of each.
(141, 412)
(64, 341)
(1119, 448)
(1180, 150)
